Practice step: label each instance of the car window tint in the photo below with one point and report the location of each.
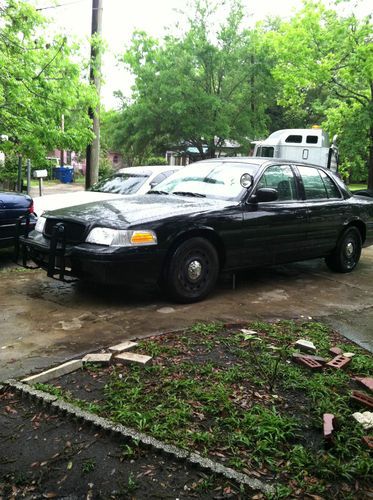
(314, 186)
(220, 180)
(120, 184)
(331, 188)
(296, 139)
(280, 177)
(266, 151)
(158, 178)
(312, 139)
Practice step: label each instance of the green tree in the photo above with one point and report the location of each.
(325, 66)
(39, 84)
(201, 89)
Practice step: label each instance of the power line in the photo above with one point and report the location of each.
(60, 5)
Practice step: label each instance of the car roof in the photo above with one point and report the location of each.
(148, 169)
(260, 161)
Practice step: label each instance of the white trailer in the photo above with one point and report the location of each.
(307, 145)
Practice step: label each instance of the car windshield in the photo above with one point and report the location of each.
(121, 183)
(219, 180)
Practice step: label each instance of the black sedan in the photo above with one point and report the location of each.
(219, 214)
(12, 207)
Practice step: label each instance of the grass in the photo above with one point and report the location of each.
(355, 187)
(238, 398)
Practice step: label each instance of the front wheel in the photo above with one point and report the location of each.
(192, 271)
(347, 253)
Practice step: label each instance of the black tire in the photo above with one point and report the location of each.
(347, 252)
(192, 271)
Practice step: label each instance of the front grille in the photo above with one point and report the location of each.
(75, 231)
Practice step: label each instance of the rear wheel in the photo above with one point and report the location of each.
(347, 252)
(192, 271)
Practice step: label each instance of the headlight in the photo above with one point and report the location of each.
(40, 223)
(121, 238)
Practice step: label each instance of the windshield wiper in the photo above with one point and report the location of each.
(155, 191)
(189, 193)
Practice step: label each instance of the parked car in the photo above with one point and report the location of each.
(363, 192)
(219, 214)
(12, 207)
(127, 181)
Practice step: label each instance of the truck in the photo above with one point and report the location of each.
(307, 145)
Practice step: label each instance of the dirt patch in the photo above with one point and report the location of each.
(43, 455)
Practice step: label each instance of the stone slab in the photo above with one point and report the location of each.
(368, 440)
(365, 419)
(55, 372)
(328, 424)
(319, 359)
(123, 346)
(362, 398)
(309, 363)
(336, 351)
(99, 358)
(366, 382)
(338, 362)
(305, 345)
(131, 357)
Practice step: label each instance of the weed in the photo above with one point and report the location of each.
(129, 451)
(206, 328)
(50, 389)
(88, 465)
(132, 484)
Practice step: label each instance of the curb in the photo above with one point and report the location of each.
(105, 424)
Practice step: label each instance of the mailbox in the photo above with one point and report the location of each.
(40, 174)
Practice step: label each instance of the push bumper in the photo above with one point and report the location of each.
(96, 263)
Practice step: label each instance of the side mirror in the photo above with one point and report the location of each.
(266, 194)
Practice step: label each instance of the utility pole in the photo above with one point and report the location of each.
(93, 150)
(62, 152)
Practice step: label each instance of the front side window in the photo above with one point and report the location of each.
(266, 151)
(314, 186)
(281, 178)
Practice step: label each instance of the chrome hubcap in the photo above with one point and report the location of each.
(194, 270)
(349, 249)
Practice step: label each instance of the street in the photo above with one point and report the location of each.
(45, 322)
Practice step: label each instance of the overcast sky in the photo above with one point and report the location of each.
(122, 17)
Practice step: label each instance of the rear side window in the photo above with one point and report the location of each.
(331, 188)
(314, 186)
(311, 139)
(294, 139)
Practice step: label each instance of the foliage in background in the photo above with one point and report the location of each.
(38, 84)
(228, 82)
(202, 88)
(324, 64)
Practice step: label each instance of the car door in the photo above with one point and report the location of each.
(276, 231)
(327, 209)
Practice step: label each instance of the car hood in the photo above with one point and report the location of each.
(63, 200)
(123, 212)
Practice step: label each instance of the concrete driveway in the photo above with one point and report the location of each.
(43, 322)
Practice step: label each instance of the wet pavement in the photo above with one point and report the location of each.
(44, 322)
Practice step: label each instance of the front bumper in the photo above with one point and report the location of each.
(96, 263)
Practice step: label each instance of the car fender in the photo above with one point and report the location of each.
(194, 231)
